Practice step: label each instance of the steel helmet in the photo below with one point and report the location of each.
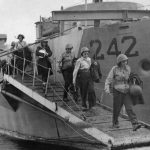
(84, 49)
(69, 46)
(135, 90)
(121, 57)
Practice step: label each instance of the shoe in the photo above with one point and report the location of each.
(84, 108)
(65, 99)
(44, 84)
(115, 125)
(136, 126)
(84, 105)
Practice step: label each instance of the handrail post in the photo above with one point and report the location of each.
(14, 66)
(49, 69)
(55, 71)
(8, 69)
(24, 60)
(34, 72)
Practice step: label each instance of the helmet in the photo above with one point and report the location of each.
(21, 36)
(121, 58)
(69, 46)
(135, 90)
(84, 49)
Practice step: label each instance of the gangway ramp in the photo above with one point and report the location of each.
(96, 123)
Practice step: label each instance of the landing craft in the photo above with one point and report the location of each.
(107, 29)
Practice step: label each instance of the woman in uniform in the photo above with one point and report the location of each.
(118, 80)
(82, 72)
(66, 67)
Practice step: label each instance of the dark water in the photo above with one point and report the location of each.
(7, 143)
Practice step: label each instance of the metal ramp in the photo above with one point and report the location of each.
(96, 123)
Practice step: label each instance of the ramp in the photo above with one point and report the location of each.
(96, 123)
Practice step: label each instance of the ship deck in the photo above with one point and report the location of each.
(96, 123)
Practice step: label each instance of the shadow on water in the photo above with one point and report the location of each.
(7, 143)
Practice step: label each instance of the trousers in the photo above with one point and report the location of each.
(120, 99)
(68, 76)
(87, 89)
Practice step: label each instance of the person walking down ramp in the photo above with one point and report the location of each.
(118, 80)
(66, 67)
(44, 52)
(82, 70)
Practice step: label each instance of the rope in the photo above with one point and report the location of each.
(69, 94)
(67, 104)
(83, 116)
(47, 85)
(60, 118)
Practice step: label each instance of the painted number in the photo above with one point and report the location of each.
(113, 44)
(113, 47)
(128, 51)
(96, 55)
(130, 48)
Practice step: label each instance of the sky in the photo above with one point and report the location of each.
(19, 16)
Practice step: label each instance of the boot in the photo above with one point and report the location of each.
(115, 125)
(136, 126)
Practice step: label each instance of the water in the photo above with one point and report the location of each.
(7, 143)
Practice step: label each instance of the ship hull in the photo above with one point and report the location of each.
(25, 119)
(105, 43)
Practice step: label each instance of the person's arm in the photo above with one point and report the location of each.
(60, 62)
(75, 72)
(49, 52)
(109, 80)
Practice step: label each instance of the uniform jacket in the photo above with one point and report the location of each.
(66, 61)
(118, 79)
(95, 71)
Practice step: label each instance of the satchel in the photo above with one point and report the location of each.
(95, 72)
(135, 90)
